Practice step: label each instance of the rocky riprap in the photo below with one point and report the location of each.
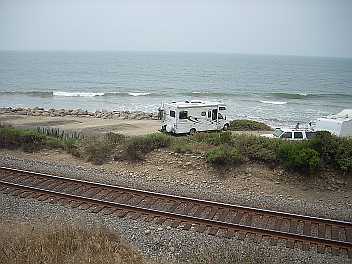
(38, 111)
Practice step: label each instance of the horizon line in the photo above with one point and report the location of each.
(174, 51)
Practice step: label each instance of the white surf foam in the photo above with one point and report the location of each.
(273, 102)
(76, 94)
(138, 94)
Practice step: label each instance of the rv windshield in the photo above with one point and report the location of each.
(278, 132)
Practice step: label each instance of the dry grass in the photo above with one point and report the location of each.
(20, 243)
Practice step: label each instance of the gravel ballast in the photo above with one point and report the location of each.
(214, 189)
(159, 243)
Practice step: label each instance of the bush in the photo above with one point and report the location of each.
(215, 138)
(344, 155)
(136, 148)
(157, 140)
(96, 150)
(299, 157)
(224, 155)
(71, 146)
(257, 148)
(248, 125)
(327, 145)
(28, 140)
(182, 147)
(335, 152)
(115, 138)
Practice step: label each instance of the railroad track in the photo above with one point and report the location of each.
(214, 218)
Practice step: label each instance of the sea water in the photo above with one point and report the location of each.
(279, 90)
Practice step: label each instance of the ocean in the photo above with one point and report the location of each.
(279, 90)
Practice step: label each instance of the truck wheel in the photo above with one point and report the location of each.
(226, 127)
(192, 131)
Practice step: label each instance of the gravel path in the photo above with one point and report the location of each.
(161, 244)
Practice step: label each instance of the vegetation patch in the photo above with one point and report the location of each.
(27, 140)
(224, 155)
(21, 243)
(335, 152)
(214, 138)
(299, 157)
(182, 147)
(248, 125)
(220, 148)
(135, 148)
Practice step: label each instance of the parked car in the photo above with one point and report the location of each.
(291, 134)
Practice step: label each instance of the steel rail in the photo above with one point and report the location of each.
(312, 219)
(212, 223)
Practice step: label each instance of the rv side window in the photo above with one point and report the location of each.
(204, 113)
(310, 135)
(298, 135)
(172, 113)
(183, 115)
(222, 108)
(209, 114)
(220, 116)
(287, 135)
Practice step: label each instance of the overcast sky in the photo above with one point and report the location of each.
(292, 27)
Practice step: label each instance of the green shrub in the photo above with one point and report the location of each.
(327, 145)
(299, 157)
(182, 147)
(157, 140)
(71, 146)
(248, 125)
(215, 138)
(224, 155)
(136, 148)
(257, 148)
(95, 150)
(28, 140)
(334, 152)
(344, 155)
(54, 143)
(115, 138)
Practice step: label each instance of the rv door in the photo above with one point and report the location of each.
(214, 115)
(214, 119)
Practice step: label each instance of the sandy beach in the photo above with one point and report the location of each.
(85, 125)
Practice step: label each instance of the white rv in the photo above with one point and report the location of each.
(339, 124)
(192, 116)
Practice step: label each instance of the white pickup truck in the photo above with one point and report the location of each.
(291, 134)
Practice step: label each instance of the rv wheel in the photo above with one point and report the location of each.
(192, 131)
(226, 127)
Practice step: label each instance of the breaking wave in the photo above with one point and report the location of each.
(92, 94)
(77, 94)
(73, 94)
(212, 94)
(308, 95)
(273, 102)
(139, 94)
(243, 94)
